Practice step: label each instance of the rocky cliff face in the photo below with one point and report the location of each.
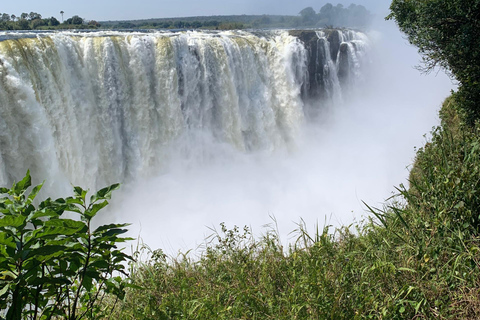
(334, 60)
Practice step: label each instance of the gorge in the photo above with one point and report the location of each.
(171, 114)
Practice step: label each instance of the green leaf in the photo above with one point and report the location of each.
(109, 226)
(22, 185)
(12, 221)
(4, 290)
(35, 192)
(87, 283)
(105, 193)
(46, 251)
(79, 193)
(100, 264)
(7, 240)
(91, 212)
(42, 214)
(65, 227)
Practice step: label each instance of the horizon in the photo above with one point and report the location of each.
(125, 10)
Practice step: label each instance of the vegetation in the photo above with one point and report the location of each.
(34, 21)
(337, 16)
(447, 34)
(329, 15)
(53, 267)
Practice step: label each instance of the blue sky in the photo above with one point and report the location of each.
(145, 9)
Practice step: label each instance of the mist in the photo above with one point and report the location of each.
(356, 152)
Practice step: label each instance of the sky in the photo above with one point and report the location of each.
(102, 10)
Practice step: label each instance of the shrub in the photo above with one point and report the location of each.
(51, 266)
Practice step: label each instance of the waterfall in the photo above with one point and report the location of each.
(103, 107)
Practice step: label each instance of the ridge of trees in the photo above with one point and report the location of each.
(34, 20)
(328, 15)
(337, 16)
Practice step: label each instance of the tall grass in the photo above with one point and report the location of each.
(418, 257)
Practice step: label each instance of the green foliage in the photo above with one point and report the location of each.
(34, 20)
(52, 266)
(338, 16)
(353, 16)
(417, 258)
(447, 34)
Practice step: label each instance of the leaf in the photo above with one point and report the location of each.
(45, 252)
(12, 221)
(4, 290)
(80, 193)
(91, 212)
(7, 275)
(57, 280)
(109, 226)
(22, 185)
(87, 283)
(100, 264)
(104, 193)
(42, 214)
(7, 241)
(112, 232)
(35, 192)
(65, 227)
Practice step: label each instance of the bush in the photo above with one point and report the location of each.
(51, 266)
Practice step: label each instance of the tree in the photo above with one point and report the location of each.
(447, 34)
(23, 24)
(75, 20)
(94, 24)
(38, 23)
(52, 21)
(5, 17)
(33, 16)
(308, 15)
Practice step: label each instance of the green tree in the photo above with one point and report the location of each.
(447, 34)
(38, 23)
(52, 21)
(5, 17)
(308, 15)
(33, 16)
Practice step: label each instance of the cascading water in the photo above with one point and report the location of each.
(97, 108)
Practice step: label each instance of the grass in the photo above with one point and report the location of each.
(418, 257)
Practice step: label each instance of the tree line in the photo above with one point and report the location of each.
(34, 20)
(328, 16)
(336, 16)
